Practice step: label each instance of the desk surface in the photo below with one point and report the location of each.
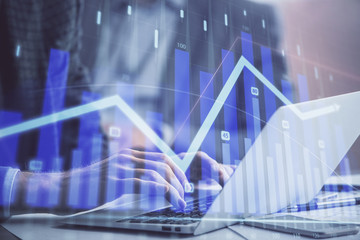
(45, 226)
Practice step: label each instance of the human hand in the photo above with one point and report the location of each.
(155, 171)
(209, 169)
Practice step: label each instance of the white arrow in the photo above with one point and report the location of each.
(146, 129)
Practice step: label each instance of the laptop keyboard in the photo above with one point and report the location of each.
(193, 213)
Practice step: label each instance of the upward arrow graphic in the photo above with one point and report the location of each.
(117, 101)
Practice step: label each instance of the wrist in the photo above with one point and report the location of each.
(27, 185)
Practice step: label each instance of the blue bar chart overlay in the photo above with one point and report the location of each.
(230, 108)
(9, 145)
(49, 141)
(182, 100)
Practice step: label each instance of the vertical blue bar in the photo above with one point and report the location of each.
(329, 150)
(155, 121)
(89, 126)
(257, 154)
(111, 193)
(269, 96)
(202, 194)
(287, 90)
(256, 119)
(344, 164)
(207, 101)
(303, 88)
(126, 92)
(267, 67)
(230, 113)
(96, 148)
(8, 145)
(49, 141)
(75, 181)
(32, 194)
(54, 98)
(182, 101)
(58, 164)
(55, 190)
(249, 81)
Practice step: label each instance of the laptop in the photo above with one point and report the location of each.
(287, 164)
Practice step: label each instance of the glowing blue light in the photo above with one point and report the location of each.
(18, 49)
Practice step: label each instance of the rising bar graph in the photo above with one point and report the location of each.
(33, 193)
(89, 135)
(256, 116)
(230, 206)
(259, 168)
(308, 136)
(267, 69)
(293, 187)
(8, 145)
(230, 113)
(281, 170)
(94, 181)
(105, 103)
(310, 176)
(250, 176)
(249, 82)
(262, 162)
(290, 169)
(92, 106)
(155, 121)
(120, 120)
(182, 100)
(54, 195)
(252, 157)
(270, 101)
(271, 173)
(75, 181)
(49, 141)
(323, 144)
(206, 102)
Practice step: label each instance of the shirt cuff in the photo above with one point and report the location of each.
(7, 191)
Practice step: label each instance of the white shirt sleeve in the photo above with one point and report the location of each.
(7, 179)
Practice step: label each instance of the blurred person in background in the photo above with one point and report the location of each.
(29, 30)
